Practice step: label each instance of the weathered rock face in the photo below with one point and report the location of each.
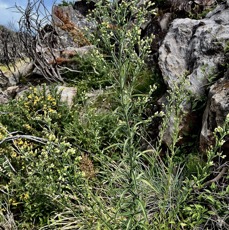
(166, 12)
(215, 113)
(63, 56)
(65, 36)
(194, 49)
(3, 80)
(70, 26)
(67, 94)
(3, 97)
(8, 94)
(11, 78)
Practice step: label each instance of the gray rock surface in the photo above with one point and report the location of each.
(12, 77)
(215, 114)
(66, 36)
(3, 80)
(3, 97)
(67, 94)
(194, 49)
(70, 26)
(8, 94)
(63, 56)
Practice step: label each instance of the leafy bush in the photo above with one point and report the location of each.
(43, 144)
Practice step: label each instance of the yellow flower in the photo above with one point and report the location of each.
(27, 126)
(13, 202)
(49, 98)
(20, 142)
(52, 137)
(14, 154)
(50, 110)
(26, 196)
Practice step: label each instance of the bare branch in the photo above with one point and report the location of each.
(29, 137)
(39, 38)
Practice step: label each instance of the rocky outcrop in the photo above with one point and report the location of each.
(8, 94)
(70, 26)
(55, 46)
(63, 56)
(215, 114)
(194, 50)
(11, 77)
(65, 37)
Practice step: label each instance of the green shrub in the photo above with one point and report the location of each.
(43, 146)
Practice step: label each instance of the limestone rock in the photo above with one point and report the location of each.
(12, 76)
(3, 97)
(12, 91)
(70, 26)
(62, 56)
(215, 114)
(66, 36)
(3, 80)
(194, 49)
(8, 94)
(67, 94)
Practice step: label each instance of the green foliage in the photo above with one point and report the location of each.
(45, 153)
(85, 167)
(39, 107)
(92, 71)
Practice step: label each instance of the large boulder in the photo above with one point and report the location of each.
(215, 114)
(194, 50)
(12, 76)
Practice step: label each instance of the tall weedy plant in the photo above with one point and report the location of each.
(116, 202)
(119, 33)
(119, 36)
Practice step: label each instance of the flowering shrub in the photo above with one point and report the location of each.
(44, 148)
